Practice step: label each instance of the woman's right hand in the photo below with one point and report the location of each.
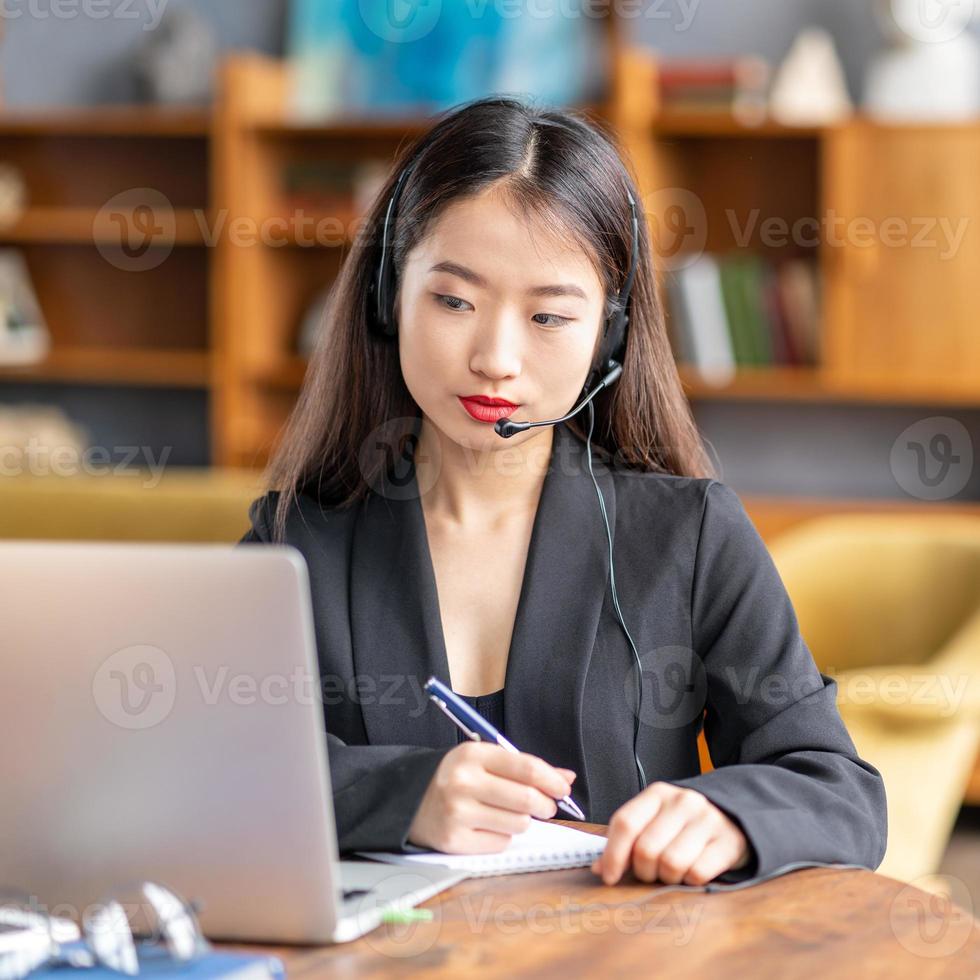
(482, 794)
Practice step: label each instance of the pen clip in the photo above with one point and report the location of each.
(442, 707)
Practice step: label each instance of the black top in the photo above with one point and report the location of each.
(491, 706)
(704, 604)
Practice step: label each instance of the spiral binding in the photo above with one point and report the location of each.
(494, 864)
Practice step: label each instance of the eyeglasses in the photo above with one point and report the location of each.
(30, 939)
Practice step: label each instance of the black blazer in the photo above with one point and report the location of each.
(707, 610)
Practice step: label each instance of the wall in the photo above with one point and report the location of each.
(76, 59)
(54, 54)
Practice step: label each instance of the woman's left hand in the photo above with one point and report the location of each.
(672, 833)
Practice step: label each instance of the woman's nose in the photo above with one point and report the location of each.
(497, 348)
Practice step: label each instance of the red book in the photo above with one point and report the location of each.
(694, 73)
(745, 73)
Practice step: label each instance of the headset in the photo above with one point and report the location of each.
(605, 372)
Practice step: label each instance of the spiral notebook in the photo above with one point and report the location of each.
(542, 847)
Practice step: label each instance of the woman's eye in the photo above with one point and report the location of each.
(451, 302)
(556, 320)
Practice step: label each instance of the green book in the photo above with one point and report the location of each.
(753, 282)
(733, 296)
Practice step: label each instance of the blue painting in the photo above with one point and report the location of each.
(391, 57)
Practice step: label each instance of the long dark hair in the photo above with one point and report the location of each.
(567, 170)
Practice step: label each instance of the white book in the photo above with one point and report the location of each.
(542, 847)
(23, 334)
(699, 288)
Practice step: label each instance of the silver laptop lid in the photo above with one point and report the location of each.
(162, 720)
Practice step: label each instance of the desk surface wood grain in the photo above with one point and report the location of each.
(566, 924)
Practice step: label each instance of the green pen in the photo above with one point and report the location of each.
(401, 916)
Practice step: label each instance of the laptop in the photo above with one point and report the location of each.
(161, 721)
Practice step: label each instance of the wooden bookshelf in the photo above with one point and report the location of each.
(718, 126)
(898, 323)
(337, 130)
(802, 384)
(112, 323)
(85, 225)
(113, 366)
(783, 171)
(899, 309)
(122, 121)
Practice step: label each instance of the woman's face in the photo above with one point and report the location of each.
(492, 303)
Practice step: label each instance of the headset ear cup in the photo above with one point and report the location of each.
(379, 306)
(617, 337)
(390, 325)
(379, 311)
(385, 276)
(372, 307)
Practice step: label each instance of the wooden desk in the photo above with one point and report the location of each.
(815, 922)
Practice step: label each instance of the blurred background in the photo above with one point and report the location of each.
(179, 181)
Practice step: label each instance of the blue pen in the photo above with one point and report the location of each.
(476, 727)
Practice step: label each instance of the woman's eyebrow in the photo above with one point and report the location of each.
(475, 279)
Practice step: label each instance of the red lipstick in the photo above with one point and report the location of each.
(485, 409)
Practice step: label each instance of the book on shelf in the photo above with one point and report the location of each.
(24, 337)
(744, 310)
(733, 86)
(338, 188)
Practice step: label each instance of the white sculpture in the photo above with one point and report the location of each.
(931, 69)
(176, 65)
(810, 88)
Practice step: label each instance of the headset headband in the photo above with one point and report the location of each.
(615, 329)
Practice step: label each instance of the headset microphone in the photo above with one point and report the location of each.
(507, 428)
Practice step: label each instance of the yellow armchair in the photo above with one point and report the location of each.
(890, 607)
(180, 505)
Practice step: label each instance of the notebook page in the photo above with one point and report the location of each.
(543, 846)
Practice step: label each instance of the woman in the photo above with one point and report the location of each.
(496, 258)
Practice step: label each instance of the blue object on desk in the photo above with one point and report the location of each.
(478, 728)
(155, 961)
